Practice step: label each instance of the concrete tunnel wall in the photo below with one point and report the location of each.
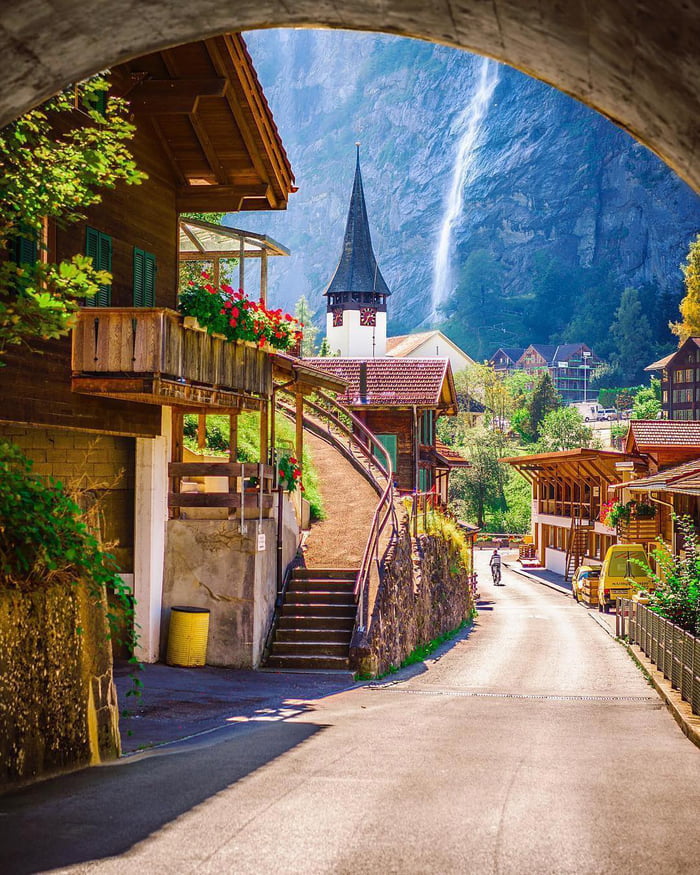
(637, 63)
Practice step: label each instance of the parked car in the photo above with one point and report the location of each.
(623, 574)
(607, 414)
(584, 585)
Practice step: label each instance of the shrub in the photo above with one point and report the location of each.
(676, 595)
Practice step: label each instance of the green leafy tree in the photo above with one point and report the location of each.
(304, 315)
(480, 488)
(689, 326)
(543, 400)
(647, 402)
(563, 429)
(54, 162)
(631, 333)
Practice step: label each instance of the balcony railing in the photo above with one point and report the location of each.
(148, 355)
(584, 510)
(223, 485)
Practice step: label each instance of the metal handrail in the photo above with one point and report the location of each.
(371, 449)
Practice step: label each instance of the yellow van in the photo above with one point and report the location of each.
(622, 574)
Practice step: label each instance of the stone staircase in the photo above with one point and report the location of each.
(316, 621)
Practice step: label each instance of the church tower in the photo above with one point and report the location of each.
(356, 296)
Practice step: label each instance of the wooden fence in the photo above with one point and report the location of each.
(675, 652)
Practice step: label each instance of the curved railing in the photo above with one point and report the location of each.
(339, 426)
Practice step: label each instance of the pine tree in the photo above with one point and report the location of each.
(631, 333)
(545, 398)
(689, 326)
(325, 350)
(304, 315)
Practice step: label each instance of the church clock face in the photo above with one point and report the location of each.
(337, 316)
(368, 316)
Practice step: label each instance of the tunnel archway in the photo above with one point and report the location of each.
(636, 63)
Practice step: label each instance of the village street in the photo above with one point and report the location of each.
(531, 744)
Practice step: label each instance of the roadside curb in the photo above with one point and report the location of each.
(536, 579)
(681, 711)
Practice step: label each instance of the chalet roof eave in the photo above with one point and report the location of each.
(258, 242)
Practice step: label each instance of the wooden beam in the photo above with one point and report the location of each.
(263, 276)
(202, 431)
(299, 422)
(173, 96)
(216, 499)
(176, 451)
(209, 149)
(264, 431)
(241, 264)
(218, 198)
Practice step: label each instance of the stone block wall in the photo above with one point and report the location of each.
(101, 467)
(58, 703)
(414, 604)
(210, 564)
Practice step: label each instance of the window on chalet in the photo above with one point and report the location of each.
(24, 248)
(389, 442)
(424, 480)
(144, 278)
(98, 246)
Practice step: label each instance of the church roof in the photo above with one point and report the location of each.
(357, 269)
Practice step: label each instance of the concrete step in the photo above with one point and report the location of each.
(320, 597)
(309, 648)
(324, 573)
(295, 622)
(332, 636)
(309, 663)
(295, 609)
(320, 584)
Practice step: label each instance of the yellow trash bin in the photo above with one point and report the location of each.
(187, 636)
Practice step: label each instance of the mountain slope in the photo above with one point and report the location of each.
(560, 210)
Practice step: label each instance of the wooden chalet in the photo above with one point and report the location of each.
(569, 489)
(103, 410)
(663, 443)
(400, 400)
(680, 381)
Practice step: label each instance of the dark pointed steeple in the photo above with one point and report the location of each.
(357, 280)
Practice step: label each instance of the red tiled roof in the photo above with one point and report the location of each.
(390, 382)
(686, 475)
(452, 457)
(665, 432)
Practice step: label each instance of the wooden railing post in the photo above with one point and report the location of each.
(176, 453)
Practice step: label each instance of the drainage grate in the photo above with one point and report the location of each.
(394, 688)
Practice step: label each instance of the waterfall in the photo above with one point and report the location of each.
(470, 122)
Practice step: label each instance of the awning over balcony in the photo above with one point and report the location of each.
(211, 244)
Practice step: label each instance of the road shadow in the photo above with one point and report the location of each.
(104, 811)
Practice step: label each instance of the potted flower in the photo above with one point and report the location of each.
(290, 474)
(234, 316)
(615, 512)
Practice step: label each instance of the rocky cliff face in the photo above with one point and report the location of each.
(555, 196)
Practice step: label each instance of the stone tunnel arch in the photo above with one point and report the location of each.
(636, 62)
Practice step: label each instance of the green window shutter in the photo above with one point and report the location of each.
(422, 480)
(104, 297)
(24, 248)
(98, 247)
(144, 278)
(388, 441)
(139, 258)
(149, 280)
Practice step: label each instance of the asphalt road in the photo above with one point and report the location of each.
(532, 744)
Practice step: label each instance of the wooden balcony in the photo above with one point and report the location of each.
(636, 531)
(147, 355)
(582, 510)
(219, 485)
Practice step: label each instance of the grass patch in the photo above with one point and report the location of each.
(248, 450)
(421, 653)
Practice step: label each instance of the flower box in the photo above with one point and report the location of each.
(635, 530)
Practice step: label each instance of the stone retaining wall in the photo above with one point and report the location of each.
(58, 704)
(414, 605)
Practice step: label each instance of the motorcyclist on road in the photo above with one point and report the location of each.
(495, 563)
